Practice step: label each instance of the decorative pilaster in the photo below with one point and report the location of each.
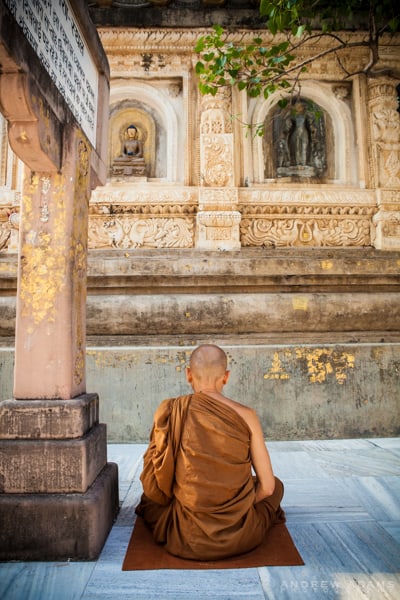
(385, 161)
(217, 220)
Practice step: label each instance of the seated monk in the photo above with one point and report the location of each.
(199, 497)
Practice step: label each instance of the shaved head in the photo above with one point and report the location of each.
(209, 360)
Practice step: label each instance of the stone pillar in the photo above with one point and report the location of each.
(50, 330)
(58, 494)
(217, 220)
(385, 160)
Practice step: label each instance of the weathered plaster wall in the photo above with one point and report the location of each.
(312, 337)
(300, 391)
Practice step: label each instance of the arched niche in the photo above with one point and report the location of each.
(298, 142)
(124, 116)
(341, 160)
(151, 109)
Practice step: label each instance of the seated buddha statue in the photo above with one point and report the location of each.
(131, 160)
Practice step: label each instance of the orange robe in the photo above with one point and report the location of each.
(198, 489)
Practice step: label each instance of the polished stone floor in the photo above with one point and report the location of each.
(342, 501)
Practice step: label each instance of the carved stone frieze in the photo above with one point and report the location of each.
(118, 194)
(128, 216)
(305, 232)
(313, 197)
(128, 231)
(306, 218)
(139, 52)
(149, 209)
(135, 39)
(141, 64)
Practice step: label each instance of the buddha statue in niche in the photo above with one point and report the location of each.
(131, 161)
(299, 140)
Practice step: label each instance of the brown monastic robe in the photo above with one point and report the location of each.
(197, 481)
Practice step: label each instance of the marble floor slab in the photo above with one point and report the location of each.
(342, 501)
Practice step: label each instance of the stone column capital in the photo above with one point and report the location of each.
(33, 130)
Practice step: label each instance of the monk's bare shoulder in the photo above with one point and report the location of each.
(248, 414)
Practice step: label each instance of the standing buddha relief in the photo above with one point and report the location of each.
(299, 141)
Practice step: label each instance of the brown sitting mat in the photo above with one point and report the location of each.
(277, 550)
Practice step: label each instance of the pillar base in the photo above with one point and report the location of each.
(59, 526)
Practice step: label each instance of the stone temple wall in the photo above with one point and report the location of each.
(201, 180)
(206, 233)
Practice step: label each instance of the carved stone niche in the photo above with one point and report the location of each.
(132, 142)
(298, 142)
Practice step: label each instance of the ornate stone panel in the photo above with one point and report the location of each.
(306, 218)
(218, 230)
(385, 132)
(217, 160)
(216, 141)
(124, 217)
(384, 151)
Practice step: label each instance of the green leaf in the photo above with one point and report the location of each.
(218, 29)
(199, 68)
(266, 93)
(264, 7)
(236, 52)
(199, 47)
(272, 26)
(283, 46)
(221, 61)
